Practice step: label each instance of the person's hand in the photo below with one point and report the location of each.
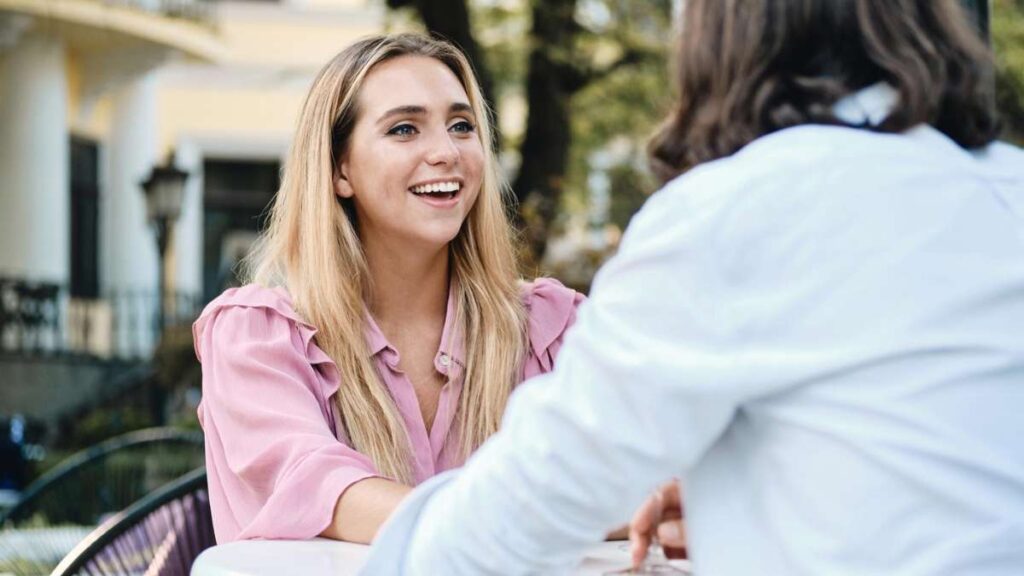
(661, 515)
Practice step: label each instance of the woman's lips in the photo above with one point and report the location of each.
(439, 199)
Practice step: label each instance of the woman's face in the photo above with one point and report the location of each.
(414, 162)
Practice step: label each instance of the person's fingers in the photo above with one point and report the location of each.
(638, 543)
(663, 505)
(671, 514)
(648, 515)
(672, 534)
(642, 527)
(671, 495)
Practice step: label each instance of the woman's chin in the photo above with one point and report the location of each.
(437, 236)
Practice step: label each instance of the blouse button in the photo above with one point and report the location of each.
(445, 360)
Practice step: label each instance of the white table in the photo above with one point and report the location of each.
(321, 557)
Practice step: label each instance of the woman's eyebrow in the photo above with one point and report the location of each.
(460, 107)
(402, 111)
(413, 110)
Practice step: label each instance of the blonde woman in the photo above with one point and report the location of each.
(385, 326)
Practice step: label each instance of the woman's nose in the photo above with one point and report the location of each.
(443, 150)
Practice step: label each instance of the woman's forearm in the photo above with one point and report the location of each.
(362, 509)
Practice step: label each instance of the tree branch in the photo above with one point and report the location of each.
(579, 78)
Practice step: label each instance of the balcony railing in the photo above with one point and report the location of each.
(198, 11)
(42, 318)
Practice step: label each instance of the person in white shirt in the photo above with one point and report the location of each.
(817, 324)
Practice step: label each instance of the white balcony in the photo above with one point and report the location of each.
(184, 26)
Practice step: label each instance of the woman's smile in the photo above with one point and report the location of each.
(438, 193)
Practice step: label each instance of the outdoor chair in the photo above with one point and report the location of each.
(64, 505)
(160, 535)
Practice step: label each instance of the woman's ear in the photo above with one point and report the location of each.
(342, 187)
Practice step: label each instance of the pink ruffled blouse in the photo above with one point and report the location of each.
(277, 459)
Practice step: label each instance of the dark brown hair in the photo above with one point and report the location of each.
(747, 68)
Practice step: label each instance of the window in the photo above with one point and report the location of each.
(236, 196)
(85, 196)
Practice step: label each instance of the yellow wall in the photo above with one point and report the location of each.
(92, 121)
(236, 114)
(291, 43)
(272, 52)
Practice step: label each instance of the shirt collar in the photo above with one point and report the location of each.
(375, 339)
(869, 106)
(451, 341)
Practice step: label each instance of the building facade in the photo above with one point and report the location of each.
(93, 95)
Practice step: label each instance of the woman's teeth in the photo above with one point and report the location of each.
(446, 189)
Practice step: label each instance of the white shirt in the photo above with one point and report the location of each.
(822, 335)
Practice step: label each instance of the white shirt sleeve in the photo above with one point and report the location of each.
(641, 388)
(814, 351)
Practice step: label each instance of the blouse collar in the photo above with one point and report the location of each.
(452, 345)
(867, 107)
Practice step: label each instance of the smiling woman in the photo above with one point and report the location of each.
(385, 326)
(419, 166)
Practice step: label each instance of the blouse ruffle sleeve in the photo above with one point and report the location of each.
(275, 465)
(551, 308)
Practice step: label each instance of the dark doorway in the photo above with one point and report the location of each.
(236, 196)
(85, 206)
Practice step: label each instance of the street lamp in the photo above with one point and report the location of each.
(164, 190)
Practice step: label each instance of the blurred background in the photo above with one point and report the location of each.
(141, 143)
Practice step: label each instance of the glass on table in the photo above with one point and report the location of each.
(656, 562)
(651, 514)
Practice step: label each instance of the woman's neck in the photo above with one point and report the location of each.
(408, 286)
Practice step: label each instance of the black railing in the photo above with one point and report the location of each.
(43, 318)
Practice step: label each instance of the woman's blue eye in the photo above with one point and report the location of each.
(463, 126)
(402, 130)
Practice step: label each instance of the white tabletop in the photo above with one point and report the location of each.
(322, 557)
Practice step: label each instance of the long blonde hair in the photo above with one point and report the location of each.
(311, 247)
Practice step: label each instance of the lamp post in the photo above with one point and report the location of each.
(164, 189)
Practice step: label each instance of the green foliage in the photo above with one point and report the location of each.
(630, 188)
(625, 105)
(179, 376)
(503, 30)
(175, 358)
(1008, 44)
(105, 423)
(19, 565)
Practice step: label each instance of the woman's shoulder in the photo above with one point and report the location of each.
(550, 308)
(541, 292)
(250, 310)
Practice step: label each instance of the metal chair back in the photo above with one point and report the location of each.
(161, 534)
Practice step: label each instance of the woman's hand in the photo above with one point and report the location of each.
(661, 515)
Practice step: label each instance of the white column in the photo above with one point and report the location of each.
(129, 257)
(34, 149)
(128, 245)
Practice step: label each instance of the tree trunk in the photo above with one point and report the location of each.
(450, 19)
(545, 147)
(551, 81)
